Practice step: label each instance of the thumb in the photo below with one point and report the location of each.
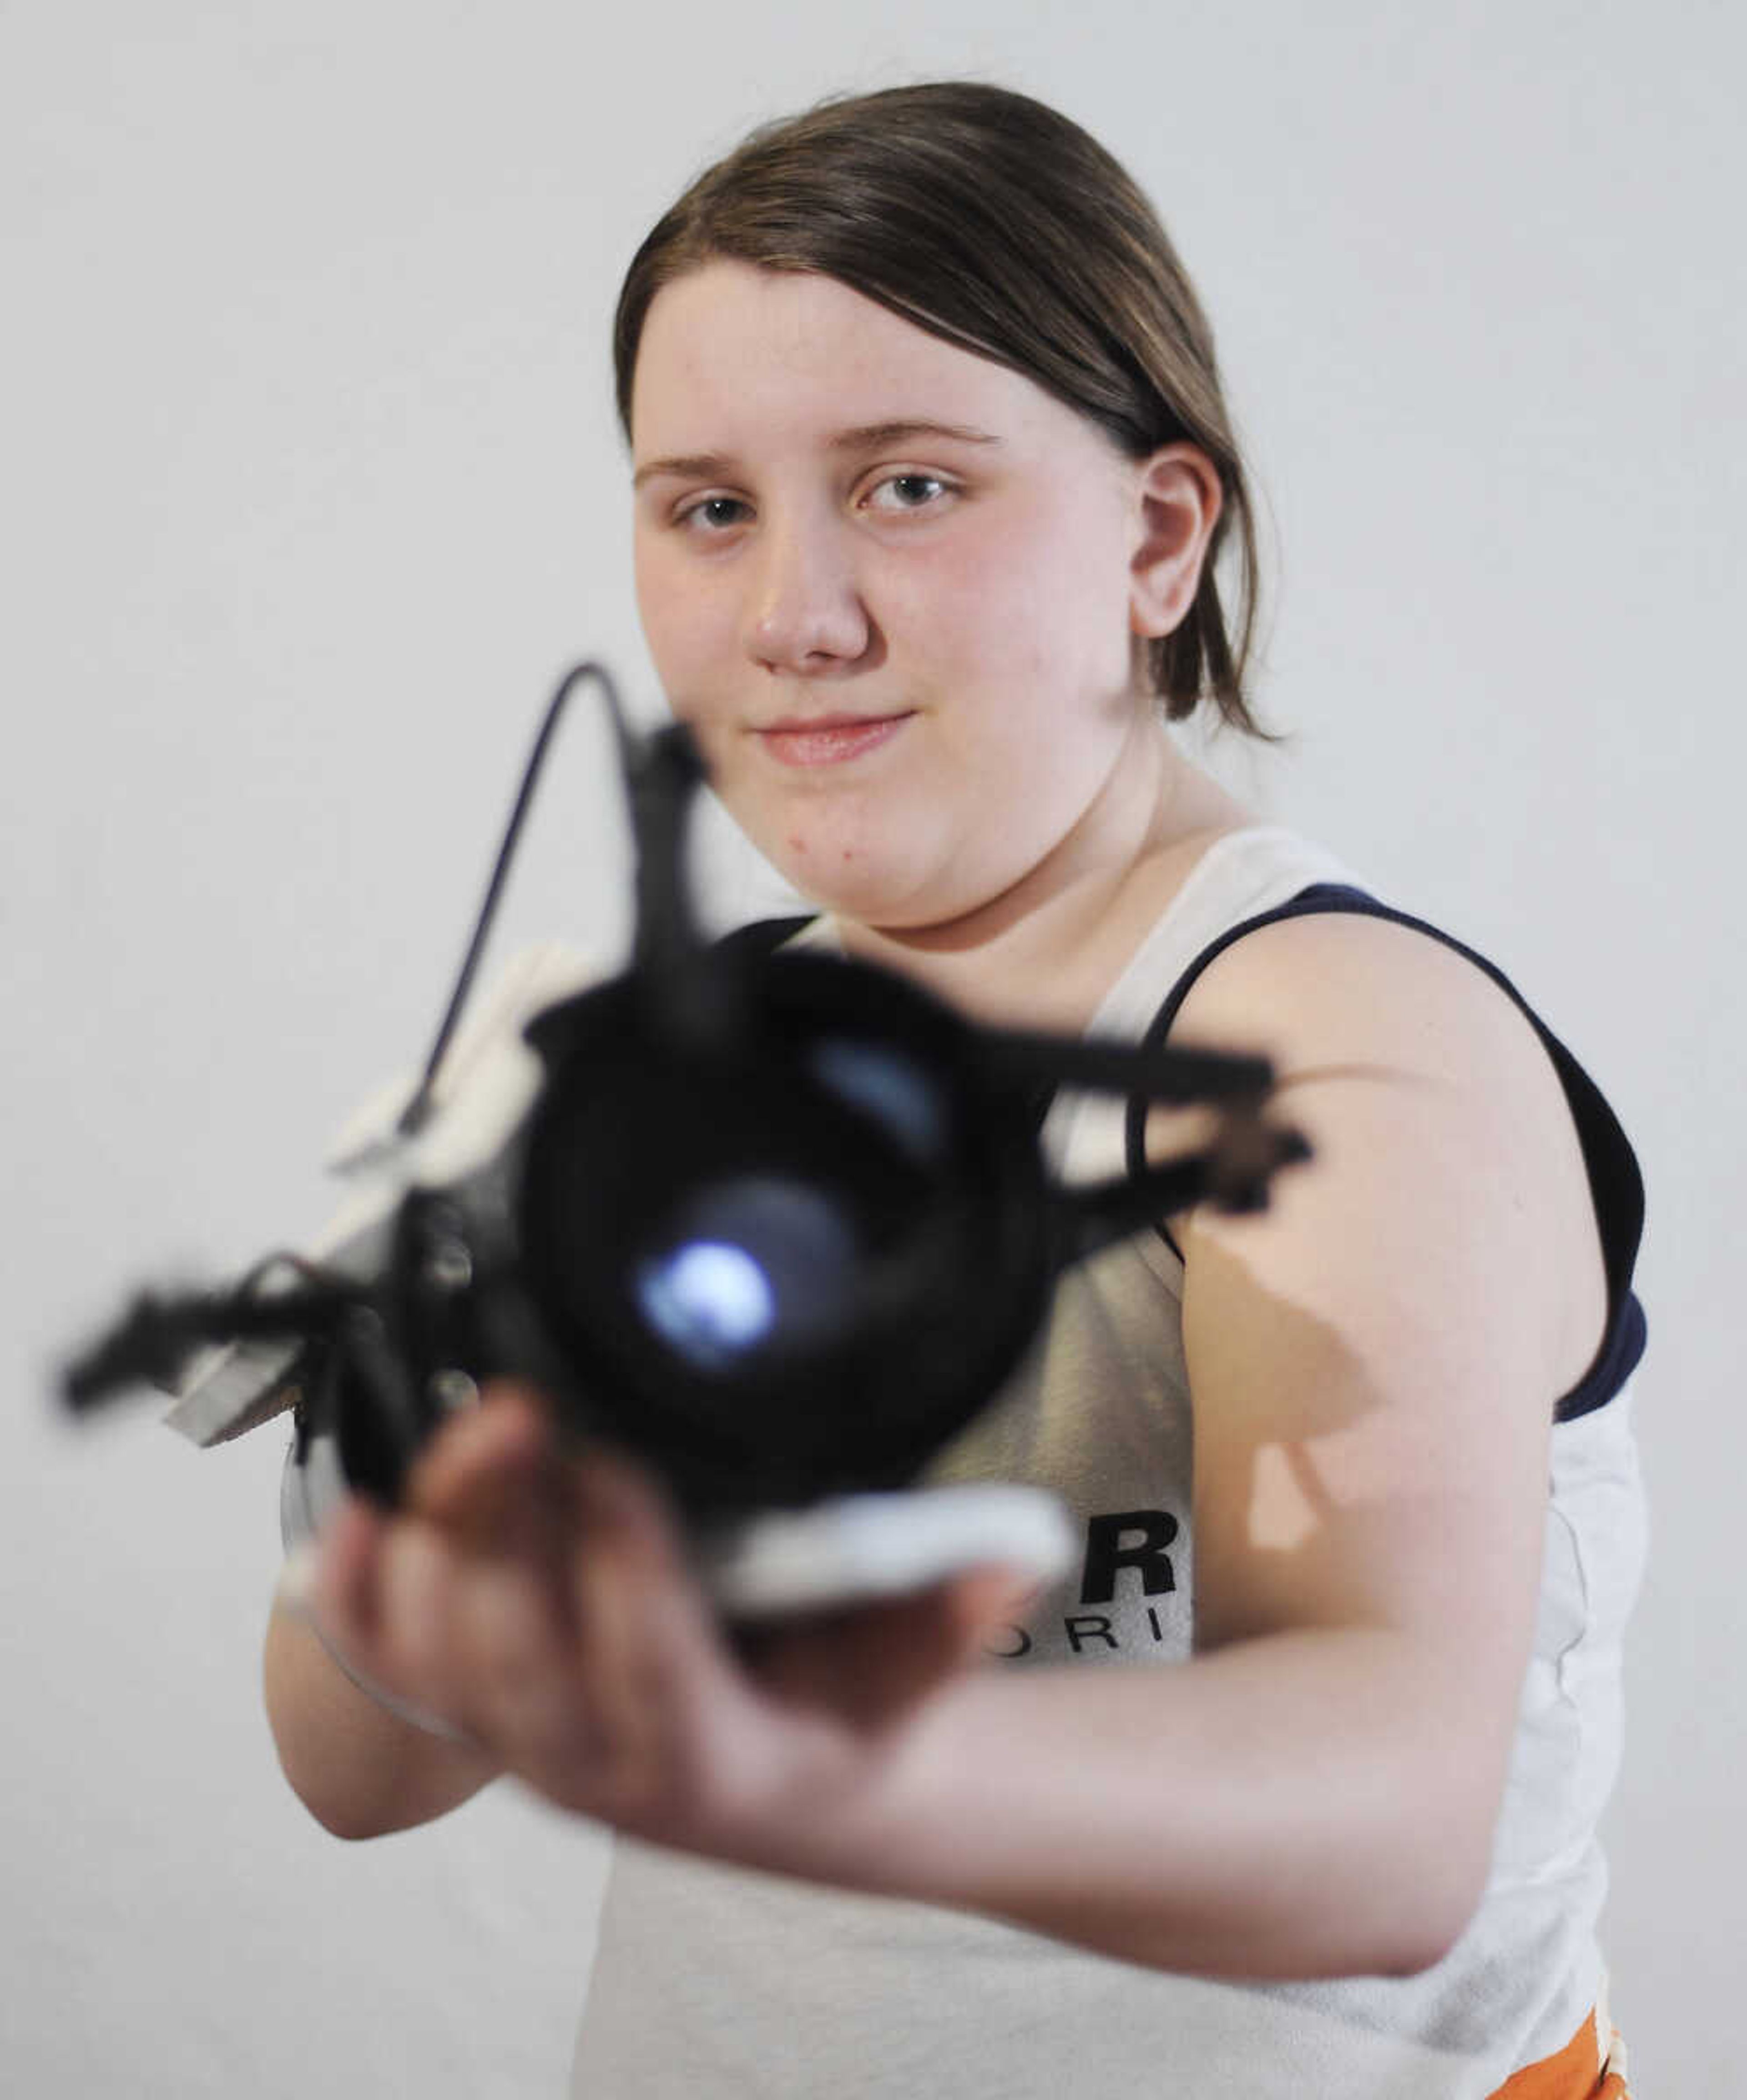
(986, 1600)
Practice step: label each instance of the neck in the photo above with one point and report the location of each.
(1045, 951)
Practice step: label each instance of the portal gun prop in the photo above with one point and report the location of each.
(776, 1222)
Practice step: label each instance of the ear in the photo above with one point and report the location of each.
(1179, 499)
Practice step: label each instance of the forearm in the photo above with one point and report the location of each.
(360, 1770)
(1292, 1807)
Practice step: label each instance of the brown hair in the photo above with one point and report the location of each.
(992, 221)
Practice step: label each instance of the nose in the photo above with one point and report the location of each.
(805, 613)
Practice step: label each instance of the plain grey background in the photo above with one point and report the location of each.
(309, 487)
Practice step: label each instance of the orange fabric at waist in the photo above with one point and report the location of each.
(1590, 2067)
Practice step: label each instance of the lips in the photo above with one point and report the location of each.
(828, 739)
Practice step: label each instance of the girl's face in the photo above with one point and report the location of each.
(890, 585)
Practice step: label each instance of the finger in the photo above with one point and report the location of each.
(343, 1593)
(492, 1476)
(412, 1649)
(985, 1602)
(550, 1636)
(621, 1509)
(357, 1600)
(618, 1499)
(667, 1700)
(518, 1682)
(623, 1564)
(872, 1664)
(510, 1426)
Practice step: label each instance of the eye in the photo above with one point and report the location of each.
(912, 491)
(711, 515)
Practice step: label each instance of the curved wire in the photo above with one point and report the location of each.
(413, 1115)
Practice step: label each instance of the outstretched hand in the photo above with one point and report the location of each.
(542, 1603)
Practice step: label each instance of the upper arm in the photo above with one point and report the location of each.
(1373, 1361)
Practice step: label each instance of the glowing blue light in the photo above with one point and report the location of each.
(711, 1300)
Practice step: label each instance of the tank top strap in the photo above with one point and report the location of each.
(1259, 877)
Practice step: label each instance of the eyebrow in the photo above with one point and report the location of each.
(864, 437)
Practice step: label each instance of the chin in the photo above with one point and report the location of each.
(849, 895)
(847, 868)
(857, 887)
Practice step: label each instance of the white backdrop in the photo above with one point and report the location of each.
(309, 485)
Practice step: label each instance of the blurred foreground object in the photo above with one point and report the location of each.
(774, 1222)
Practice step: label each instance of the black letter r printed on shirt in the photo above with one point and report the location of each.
(1135, 1538)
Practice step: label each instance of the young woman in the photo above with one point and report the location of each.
(933, 481)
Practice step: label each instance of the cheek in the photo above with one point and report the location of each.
(661, 608)
(1048, 595)
(690, 634)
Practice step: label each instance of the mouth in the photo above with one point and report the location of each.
(827, 739)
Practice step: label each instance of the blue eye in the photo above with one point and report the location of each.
(908, 492)
(715, 514)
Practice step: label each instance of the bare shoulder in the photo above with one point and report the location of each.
(1335, 981)
(1368, 1019)
(1445, 1146)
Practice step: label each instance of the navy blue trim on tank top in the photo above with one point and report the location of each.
(1615, 1179)
(761, 937)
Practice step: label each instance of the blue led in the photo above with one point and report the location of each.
(712, 1301)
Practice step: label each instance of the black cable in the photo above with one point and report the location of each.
(413, 1116)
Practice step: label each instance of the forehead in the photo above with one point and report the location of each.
(730, 352)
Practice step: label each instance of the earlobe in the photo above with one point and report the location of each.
(1180, 498)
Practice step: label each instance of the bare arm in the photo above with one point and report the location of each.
(360, 1770)
(1257, 1814)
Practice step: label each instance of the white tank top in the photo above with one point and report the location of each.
(710, 1980)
